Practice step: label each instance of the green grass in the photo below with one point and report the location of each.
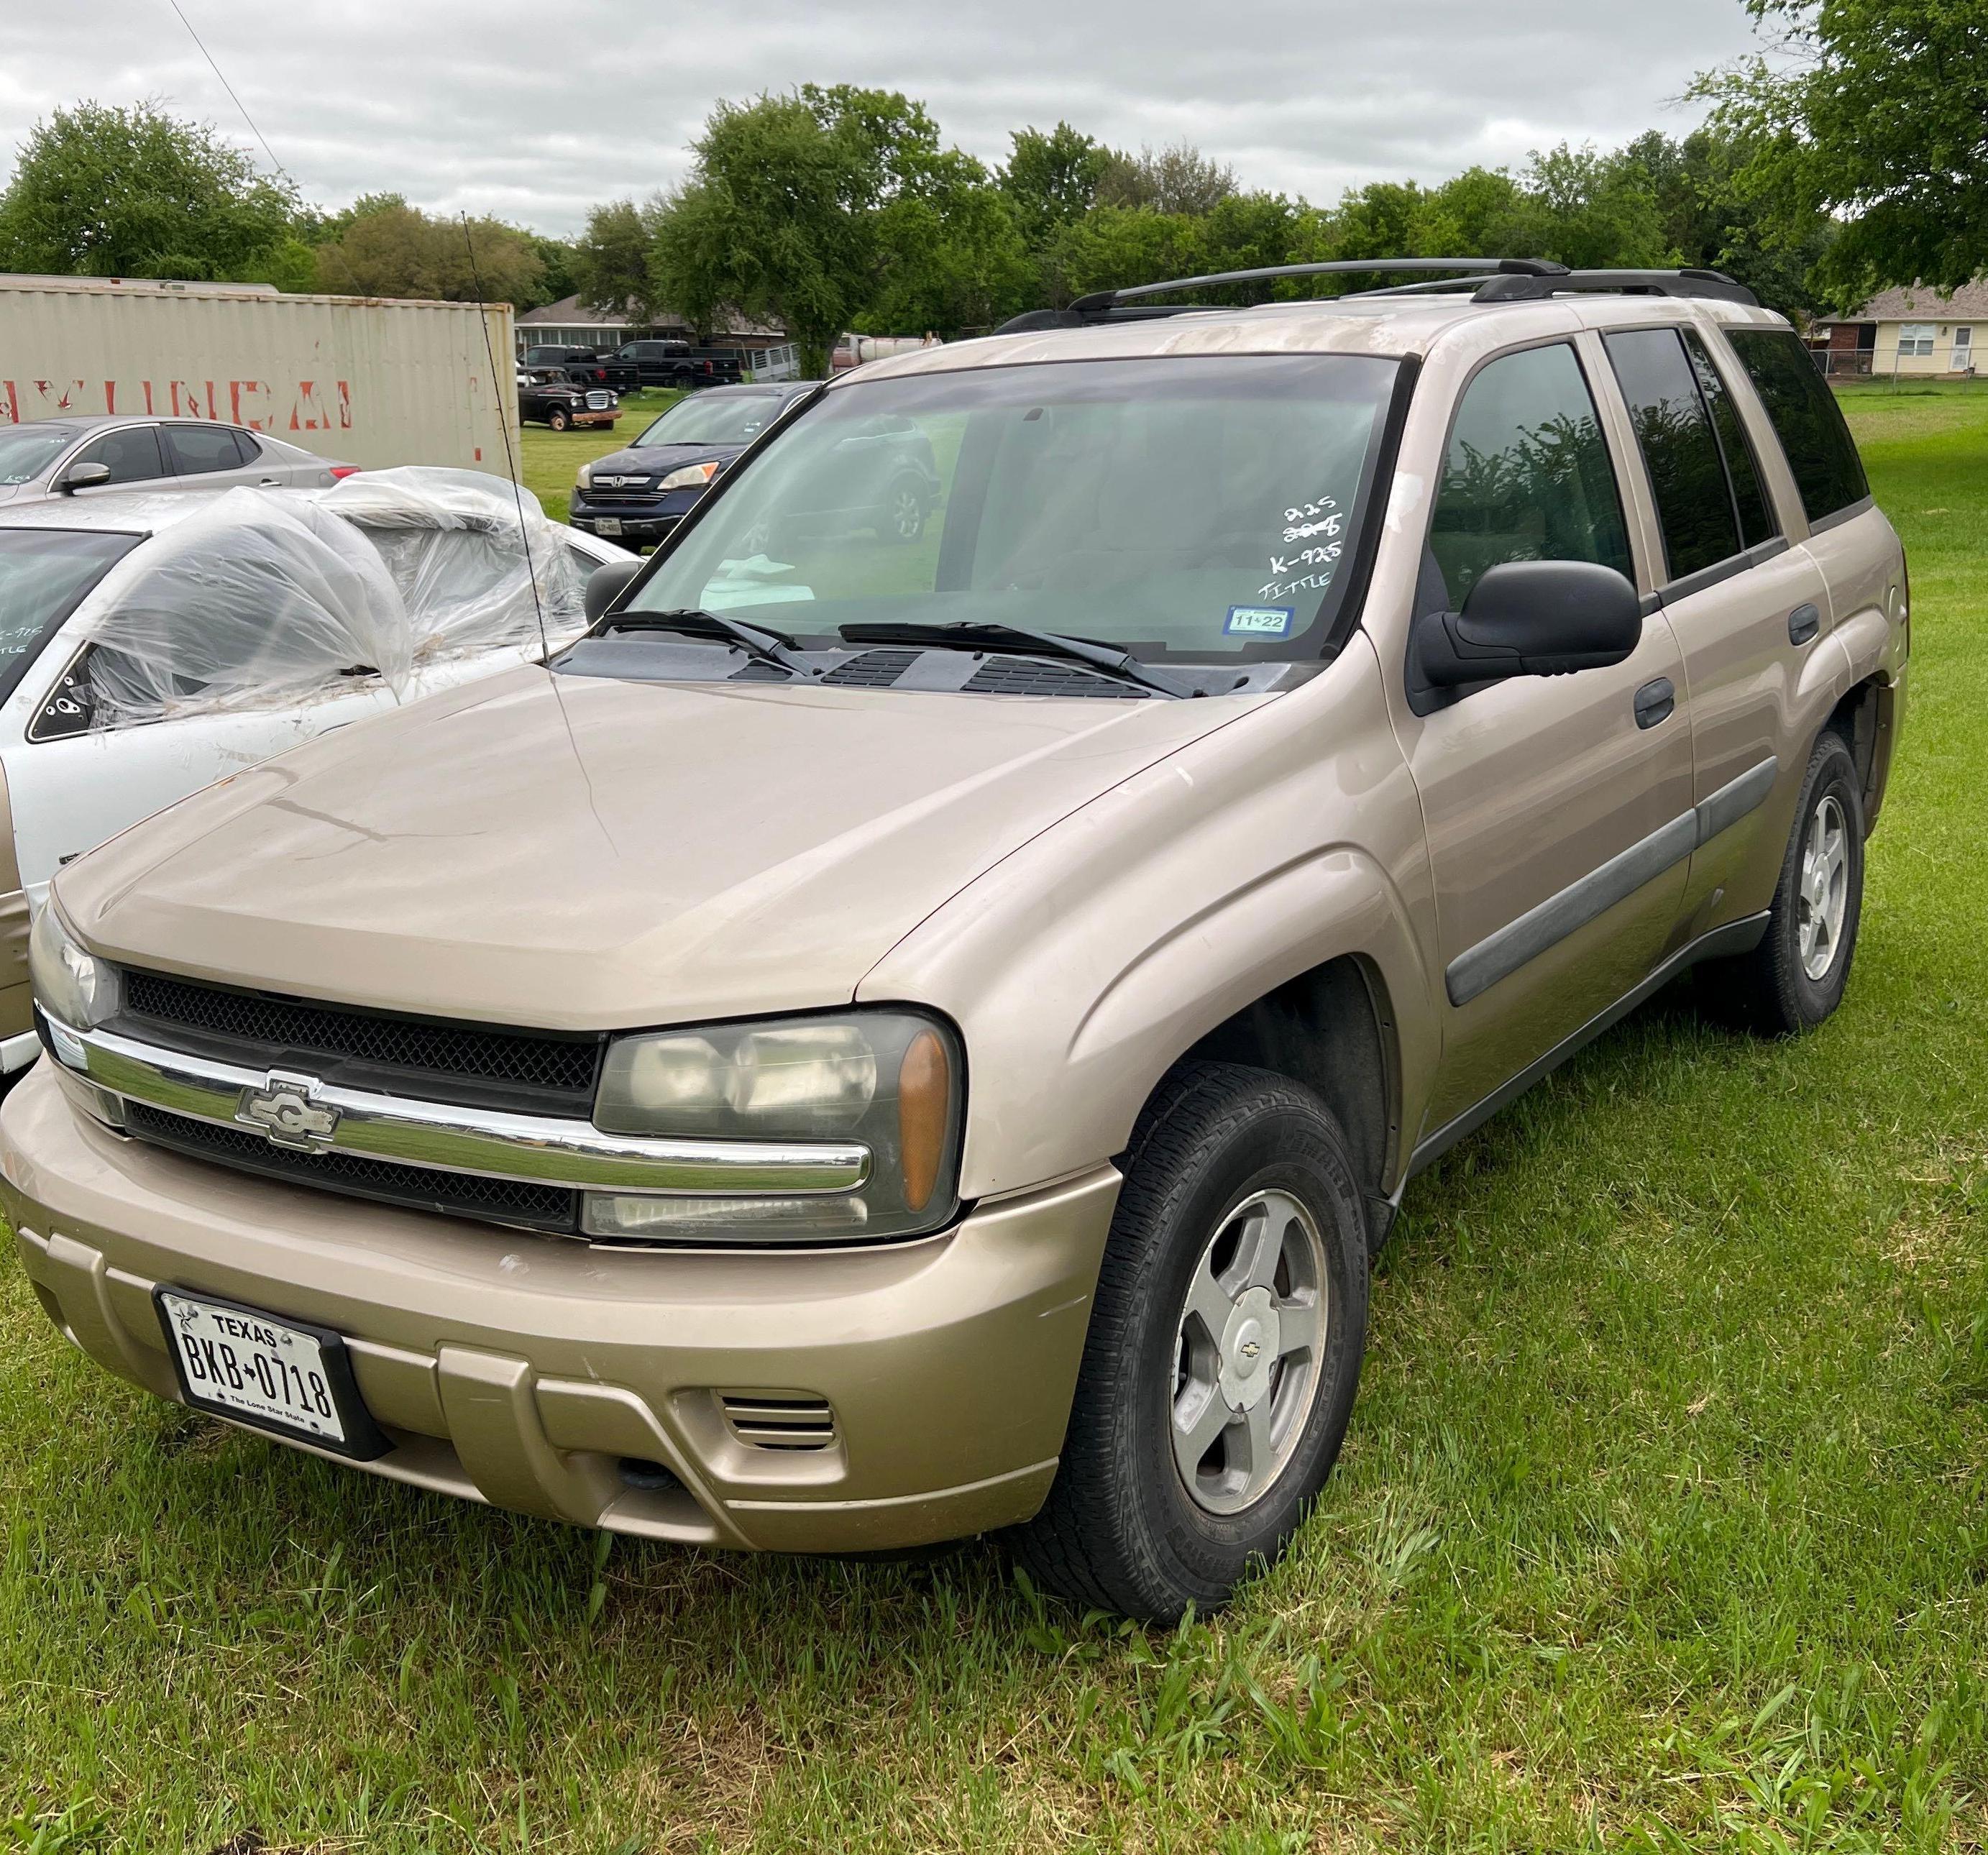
(549, 458)
(1660, 1525)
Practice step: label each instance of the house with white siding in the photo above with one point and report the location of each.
(1914, 330)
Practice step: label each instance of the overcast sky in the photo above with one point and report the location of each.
(536, 112)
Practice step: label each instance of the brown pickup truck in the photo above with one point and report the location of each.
(881, 1041)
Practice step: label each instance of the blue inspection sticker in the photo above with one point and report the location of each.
(1260, 621)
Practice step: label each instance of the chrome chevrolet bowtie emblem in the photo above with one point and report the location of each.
(287, 1112)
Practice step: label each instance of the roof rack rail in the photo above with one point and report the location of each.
(1099, 300)
(1690, 282)
(1488, 279)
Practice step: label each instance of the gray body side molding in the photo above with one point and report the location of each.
(1499, 955)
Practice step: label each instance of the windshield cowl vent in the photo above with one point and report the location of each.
(1029, 676)
(873, 670)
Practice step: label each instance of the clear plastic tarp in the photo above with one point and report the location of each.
(267, 598)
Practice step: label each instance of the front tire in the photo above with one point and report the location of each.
(557, 418)
(1224, 1350)
(1794, 978)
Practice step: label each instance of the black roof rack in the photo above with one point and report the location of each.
(1488, 279)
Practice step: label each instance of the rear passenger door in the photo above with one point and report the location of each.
(212, 457)
(1745, 608)
(1551, 804)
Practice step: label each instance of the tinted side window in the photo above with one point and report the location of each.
(1821, 453)
(1757, 520)
(1687, 474)
(132, 453)
(198, 448)
(1528, 476)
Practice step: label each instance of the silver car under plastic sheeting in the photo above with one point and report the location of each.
(153, 644)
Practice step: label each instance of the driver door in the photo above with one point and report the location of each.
(1557, 810)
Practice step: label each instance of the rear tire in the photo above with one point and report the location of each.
(1794, 978)
(1193, 1454)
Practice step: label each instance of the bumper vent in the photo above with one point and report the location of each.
(779, 1420)
(419, 1187)
(268, 1028)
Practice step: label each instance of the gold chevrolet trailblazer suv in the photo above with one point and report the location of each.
(895, 1037)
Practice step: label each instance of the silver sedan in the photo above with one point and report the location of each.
(49, 458)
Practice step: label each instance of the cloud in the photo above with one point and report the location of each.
(493, 106)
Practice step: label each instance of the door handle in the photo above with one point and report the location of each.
(1655, 701)
(1803, 623)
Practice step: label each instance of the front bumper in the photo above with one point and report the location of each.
(525, 1371)
(630, 521)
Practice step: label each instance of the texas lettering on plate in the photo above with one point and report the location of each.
(254, 1366)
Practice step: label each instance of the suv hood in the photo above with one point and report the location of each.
(588, 854)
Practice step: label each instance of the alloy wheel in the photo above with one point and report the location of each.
(1825, 895)
(1246, 1356)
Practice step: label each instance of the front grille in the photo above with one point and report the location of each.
(417, 1187)
(873, 670)
(280, 1028)
(1024, 676)
(781, 1420)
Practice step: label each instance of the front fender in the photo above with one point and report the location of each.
(1083, 965)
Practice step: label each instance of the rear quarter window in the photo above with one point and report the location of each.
(1821, 454)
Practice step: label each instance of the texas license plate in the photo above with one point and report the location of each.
(606, 524)
(279, 1375)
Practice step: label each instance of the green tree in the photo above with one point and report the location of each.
(1114, 246)
(1714, 215)
(950, 256)
(1598, 213)
(389, 248)
(1178, 178)
(558, 274)
(610, 261)
(775, 221)
(102, 191)
(1880, 115)
(1051, 179)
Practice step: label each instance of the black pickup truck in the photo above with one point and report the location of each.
(583, 366)
(663, 362)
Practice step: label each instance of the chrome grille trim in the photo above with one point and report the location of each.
(534, 1149)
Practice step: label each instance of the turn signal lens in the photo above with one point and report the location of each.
(924, 1101)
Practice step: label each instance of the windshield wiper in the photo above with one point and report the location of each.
(764, 645)
(1015, 640)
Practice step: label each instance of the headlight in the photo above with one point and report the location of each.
(692, 476)
(73, 987)
(889, 1080)
(584, 480)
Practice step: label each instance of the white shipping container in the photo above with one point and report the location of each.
(369, 380)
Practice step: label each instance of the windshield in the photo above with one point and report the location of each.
(1201, 506)
(45, 575)
(26, 450)
(736, 419)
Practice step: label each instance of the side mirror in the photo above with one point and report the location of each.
(606, 584)
(83, 476)
(1532, 618)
